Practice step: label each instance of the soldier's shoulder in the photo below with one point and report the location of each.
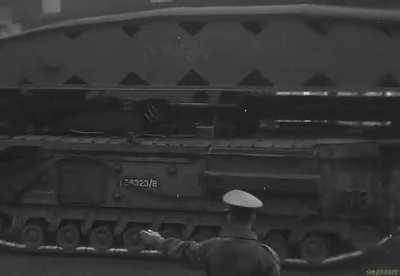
(271, 251)
(275, 260)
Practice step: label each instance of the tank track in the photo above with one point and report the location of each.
(103, 233)
(355, 259)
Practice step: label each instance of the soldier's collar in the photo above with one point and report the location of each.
(240, 232)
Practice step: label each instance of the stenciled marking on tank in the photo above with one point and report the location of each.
(140, 182)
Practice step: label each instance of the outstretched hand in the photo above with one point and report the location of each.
(391, 239)
(151, 238)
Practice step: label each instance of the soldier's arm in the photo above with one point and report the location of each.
(187, 251)
(190, 252)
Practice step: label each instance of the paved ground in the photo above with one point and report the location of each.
(24, 264)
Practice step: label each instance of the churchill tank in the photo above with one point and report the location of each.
(142, 120)
(322, 196)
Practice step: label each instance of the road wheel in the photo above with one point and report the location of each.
(171, 231)
(101, 237)
(32, 235)
(68, 236)
(314, 248)
(203, 233)
(2, 226)
(279, 243)
(131, 239)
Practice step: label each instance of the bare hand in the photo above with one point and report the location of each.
(391, 239)
(151, 238)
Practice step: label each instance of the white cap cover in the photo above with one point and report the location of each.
(242, 199)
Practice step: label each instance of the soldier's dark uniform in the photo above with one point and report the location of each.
(236, 252)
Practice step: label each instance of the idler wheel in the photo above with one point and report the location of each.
(101, 237)
(279, 243)
(314, 248)
(68, 236)
(32, 235)
(131, 239)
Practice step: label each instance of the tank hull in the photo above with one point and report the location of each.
(342, 191)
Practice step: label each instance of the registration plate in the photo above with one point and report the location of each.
(147, 183)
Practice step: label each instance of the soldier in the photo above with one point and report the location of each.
(236, 252)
